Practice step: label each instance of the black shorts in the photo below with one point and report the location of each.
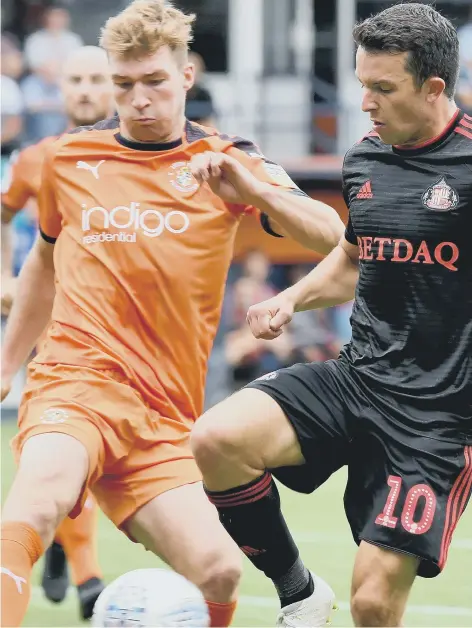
(406, 491)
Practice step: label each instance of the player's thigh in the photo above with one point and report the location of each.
(155, 496)
(85, 406)
(294, 421)
(158, 461)
(183, 528)
(406, 493)
(250, 430)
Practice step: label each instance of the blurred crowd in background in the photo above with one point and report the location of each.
(238, 357)
(32, 108)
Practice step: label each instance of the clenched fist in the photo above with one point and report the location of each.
(227, 178)
(267, 319)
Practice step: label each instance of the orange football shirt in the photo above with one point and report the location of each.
(24, 179)
(141, 257)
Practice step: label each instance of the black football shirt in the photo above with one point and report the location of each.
(410, 213)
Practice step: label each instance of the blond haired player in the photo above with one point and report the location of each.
(140, 249)
(88, 98)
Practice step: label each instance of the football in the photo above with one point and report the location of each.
(149, 598)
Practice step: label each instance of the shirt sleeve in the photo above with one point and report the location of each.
(16, 189)
(349, 233)
(50, 220)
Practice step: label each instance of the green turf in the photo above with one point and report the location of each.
(319, 524)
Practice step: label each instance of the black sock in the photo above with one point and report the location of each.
(252, 517)
(296, 585)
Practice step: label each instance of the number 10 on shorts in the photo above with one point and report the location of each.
(415, 494)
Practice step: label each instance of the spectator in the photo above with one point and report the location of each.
(12, 59)
(12, 101)
(199, 107)
(464, 88)
(54, 41)
(11, 108)
(44, 104)
(249, 357)
(11, 116)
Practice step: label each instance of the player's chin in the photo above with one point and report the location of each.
(147, 131)
(387, 135)
(381, 129)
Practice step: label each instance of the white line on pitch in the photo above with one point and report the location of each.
(38, 599)
(420, 609)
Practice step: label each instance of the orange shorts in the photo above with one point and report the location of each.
(135, 454)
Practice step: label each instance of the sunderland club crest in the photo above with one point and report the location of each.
(440, 197)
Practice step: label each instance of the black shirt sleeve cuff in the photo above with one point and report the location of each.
(265, 223)
(46, 237)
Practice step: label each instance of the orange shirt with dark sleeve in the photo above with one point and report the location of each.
(141, 258)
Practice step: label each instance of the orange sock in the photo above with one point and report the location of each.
(21, 548)
(78, 537)
(221, 614)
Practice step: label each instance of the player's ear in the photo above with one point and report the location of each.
(434, 88)
(189, 76)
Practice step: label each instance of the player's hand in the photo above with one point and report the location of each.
(227, 178)
(267, 319)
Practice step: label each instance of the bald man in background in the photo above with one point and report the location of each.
(87, 92)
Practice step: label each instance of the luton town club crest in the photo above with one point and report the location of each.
(440, 197)
(181, 177)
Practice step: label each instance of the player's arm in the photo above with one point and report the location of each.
(31, 310)
(332, 282)
(312, 223)
(286, 210)
(32, 307)
(250, 182)
(16, 191)
(6, 243)
(8, 280)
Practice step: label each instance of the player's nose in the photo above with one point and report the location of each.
(140, 100)
(368, 103)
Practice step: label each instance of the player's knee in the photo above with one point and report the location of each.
(220, 575)
(52, 470)
(370, 608)
(213, 440)
(41, 500)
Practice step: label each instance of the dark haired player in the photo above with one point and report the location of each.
(396, 407)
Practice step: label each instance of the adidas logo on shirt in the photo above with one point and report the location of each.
(365, 191)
